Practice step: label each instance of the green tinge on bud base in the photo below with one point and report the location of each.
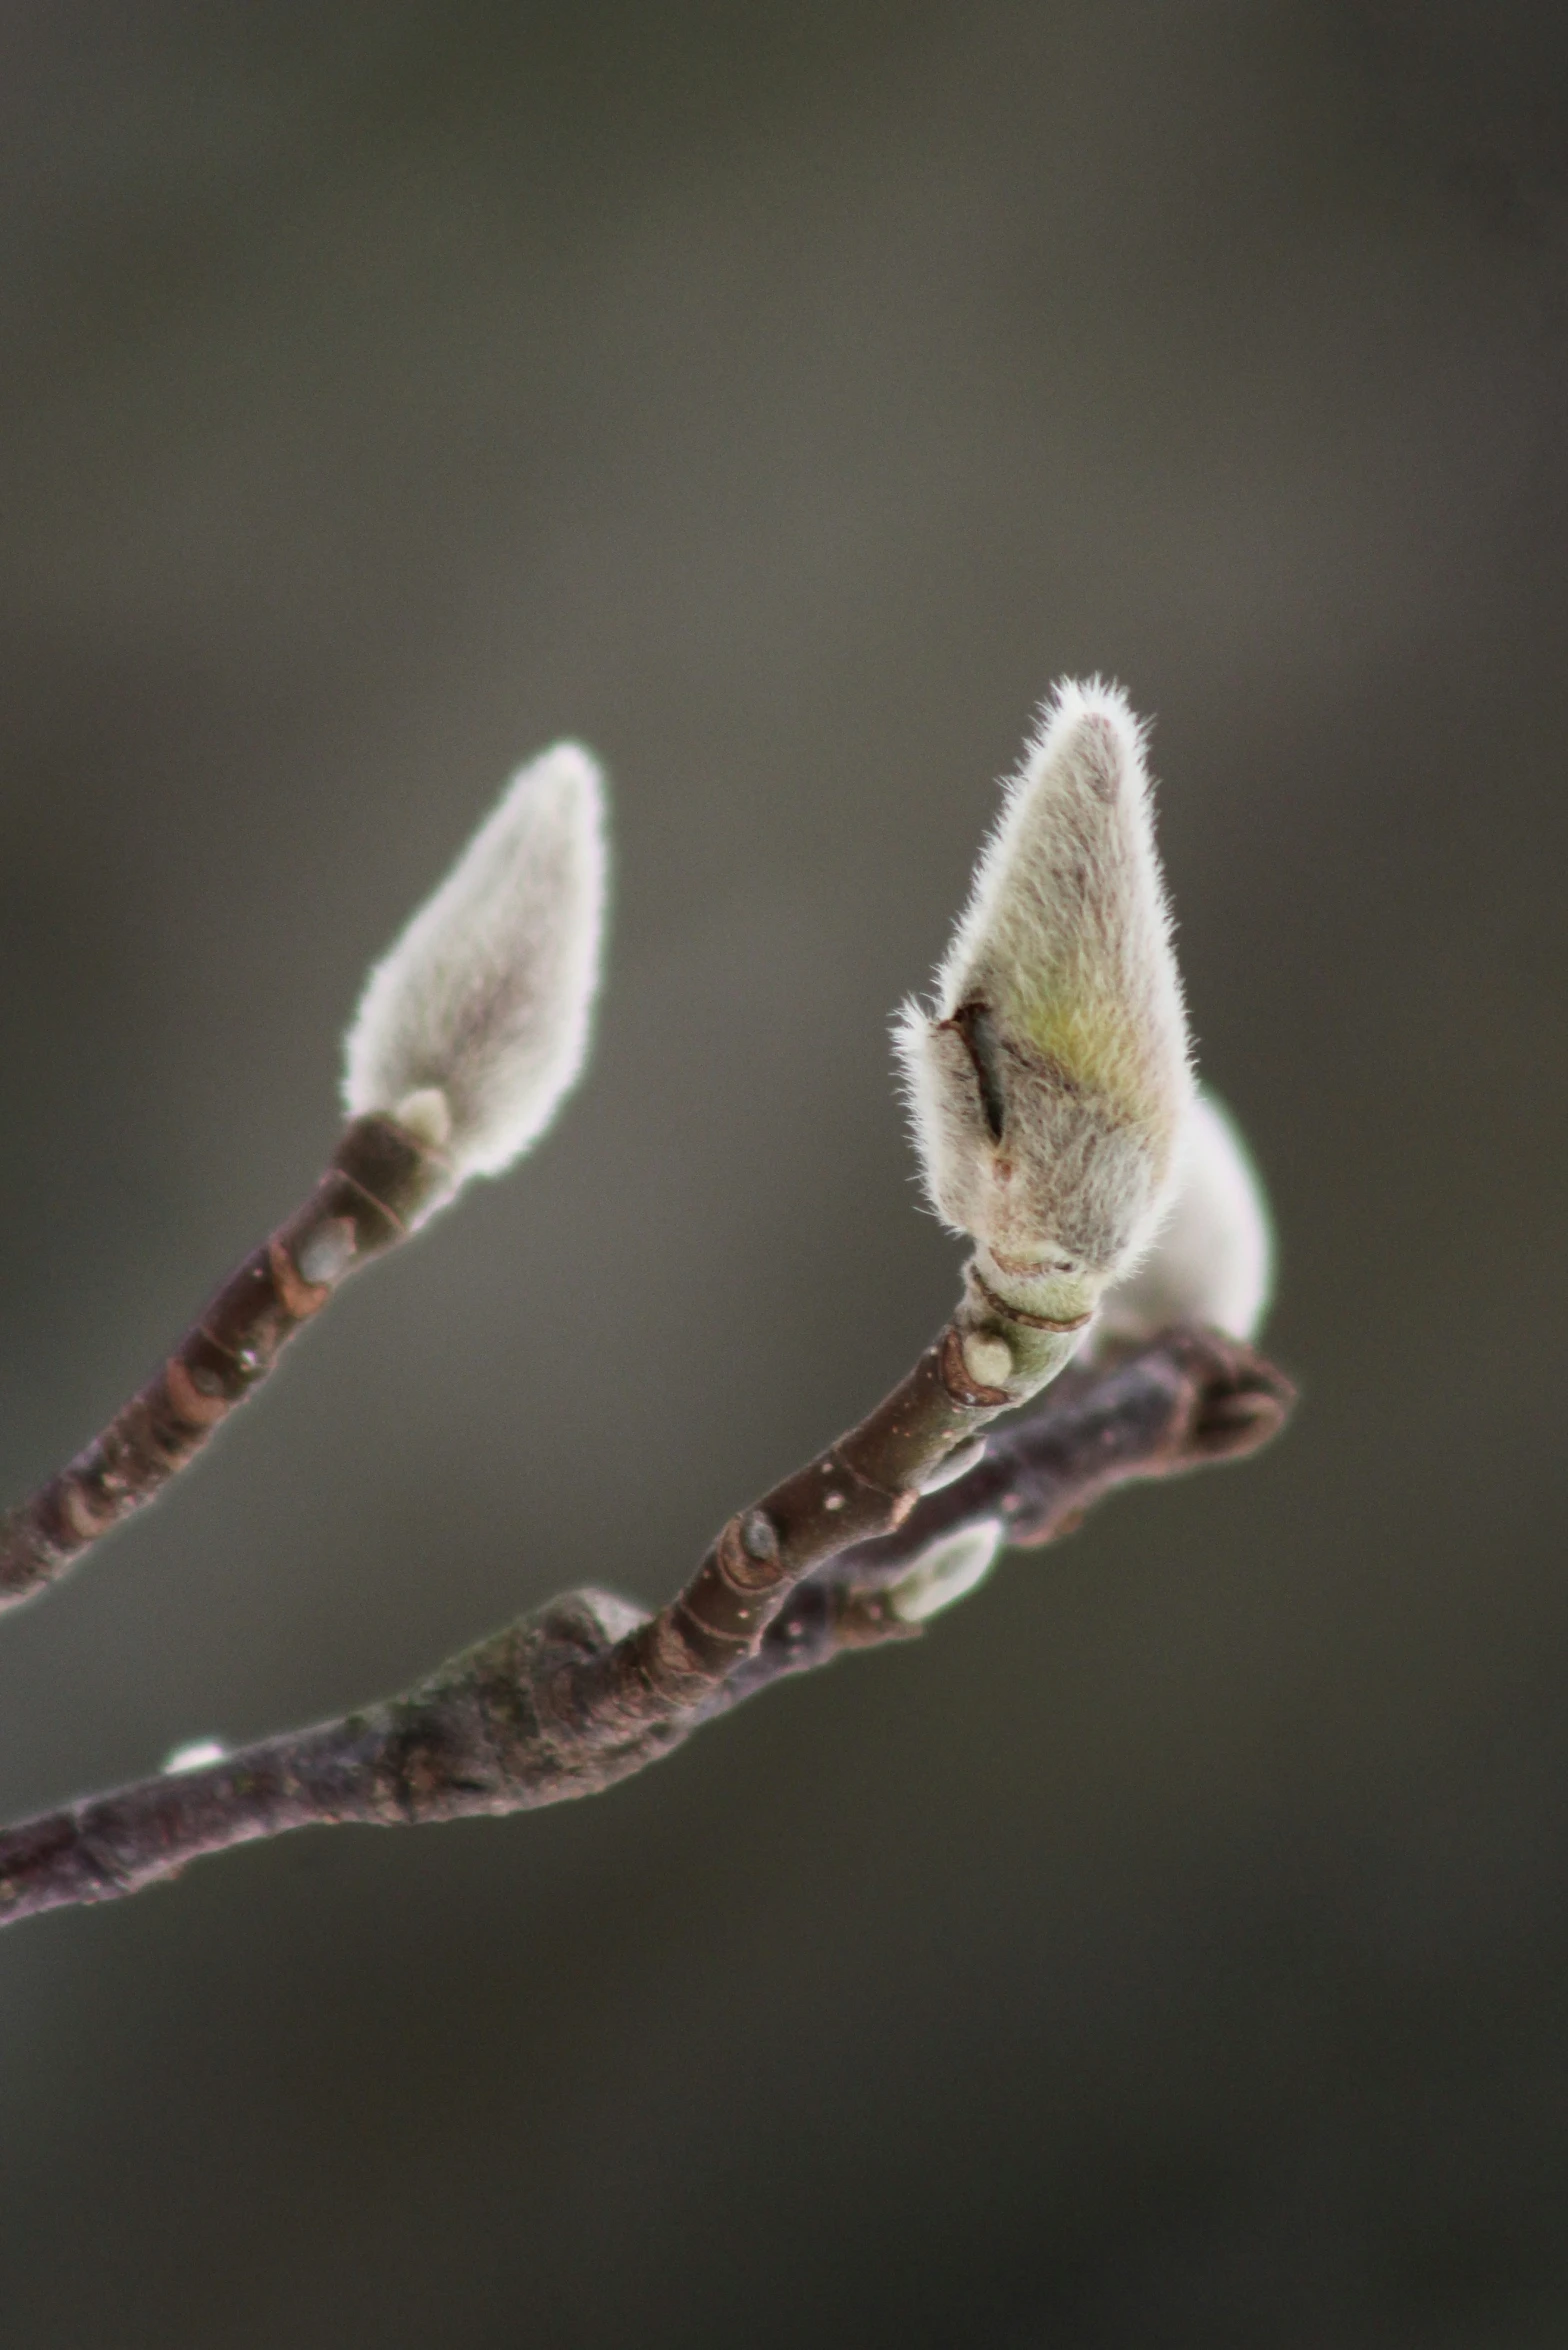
(426, 1114)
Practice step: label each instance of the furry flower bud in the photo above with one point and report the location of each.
(475, 1025)
(1050, 1083)
(955, 1565)
(1212, 1260)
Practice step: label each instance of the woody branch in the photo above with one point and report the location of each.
(1058, 1128)
(588, 1690)
(380, 1179)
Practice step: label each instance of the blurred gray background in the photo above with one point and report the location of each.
(1174, 1946)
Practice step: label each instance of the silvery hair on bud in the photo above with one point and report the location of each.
(1050, 1081)
(1213, 1258)
(476, 1023)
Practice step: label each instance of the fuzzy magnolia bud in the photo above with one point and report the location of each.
(954, 1566)
(475, 1025)
(1213, 1258)
(1051, 1082)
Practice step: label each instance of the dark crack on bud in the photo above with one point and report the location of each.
(975, 1025)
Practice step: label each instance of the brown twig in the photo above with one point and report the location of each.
(380, 1181)
(590, 1690)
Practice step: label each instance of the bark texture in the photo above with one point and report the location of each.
(590, 1688)
(380, 1180)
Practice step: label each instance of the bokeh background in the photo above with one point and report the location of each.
(1174, 1946)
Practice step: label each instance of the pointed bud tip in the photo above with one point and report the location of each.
(478, 1018)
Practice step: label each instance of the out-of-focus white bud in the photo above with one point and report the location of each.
(1212, 1260)
(194, 1755)
(1050, 1083)
(475, 1025)
(948, 1571)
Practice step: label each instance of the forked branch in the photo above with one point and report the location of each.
(589, 1690)
(1058, 1127)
